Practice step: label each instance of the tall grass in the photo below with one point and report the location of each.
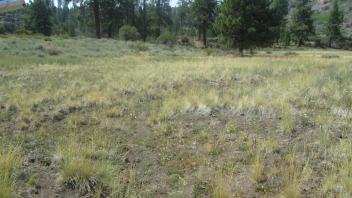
(86, 167)
(10, 161)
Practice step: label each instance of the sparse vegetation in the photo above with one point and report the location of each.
(104, 118)
(10, 161)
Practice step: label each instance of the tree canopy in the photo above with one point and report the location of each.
(245, 24)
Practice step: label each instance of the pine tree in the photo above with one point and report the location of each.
(333, 28)
(96, 11)
(109, 16)
(244, 23)
(144, 21)
(301, 22)
(203, 11)
(160, 16)
(182, 17)
(39, 20)
(96, 7)
(281, 8)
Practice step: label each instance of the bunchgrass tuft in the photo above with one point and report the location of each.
(10, 161)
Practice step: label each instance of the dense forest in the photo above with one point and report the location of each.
(244, 24)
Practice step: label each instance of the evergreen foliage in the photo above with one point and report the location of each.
(203, 13)
(245, 24)
(333, 28)
(301, 22)
(39, 20)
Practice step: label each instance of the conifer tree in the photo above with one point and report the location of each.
(301, 22)
(335, 20)
(203, 12)
(281, 9)
(245, 24)
(39, 20)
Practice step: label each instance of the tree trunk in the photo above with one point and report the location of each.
(158, 7)
(330, 42)
(241, 51)
(133, 14)
(144, 20)
(199, 34)
(97, 18)
(300, 43)
(240, 48)
(204, 31)
(110, 30)
(251, 51)
(82, 21)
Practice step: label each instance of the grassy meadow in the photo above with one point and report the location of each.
(103, 118)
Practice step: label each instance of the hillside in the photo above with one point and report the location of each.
(12, 21)
(322, 8)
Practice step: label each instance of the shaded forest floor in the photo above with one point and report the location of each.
(102, 118)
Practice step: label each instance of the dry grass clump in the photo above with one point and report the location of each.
(201, 103)
(10, 162)
(296, 174)
(262, 149)
(330, 56)
(139, 47)
(257, 169)
(287, 121)
(222, 187)
(290, 54)
(338, 179)
(75, 172)
(212, 183)
(87, 165)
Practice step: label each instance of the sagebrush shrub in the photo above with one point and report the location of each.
(129, 33)
(2, 29)
(167, 38)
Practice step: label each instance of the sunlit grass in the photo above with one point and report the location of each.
(152, 122)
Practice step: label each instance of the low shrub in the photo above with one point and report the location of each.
(2, 29)
(184, 40)
(53, 52)
(77, 175)
(328, 56)
(139, 47)
(129, 33)
(290, 54)
(98, 178)
(23, 32)
(211, 51)
(167, 38)
(47, 39)
(9, 163)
